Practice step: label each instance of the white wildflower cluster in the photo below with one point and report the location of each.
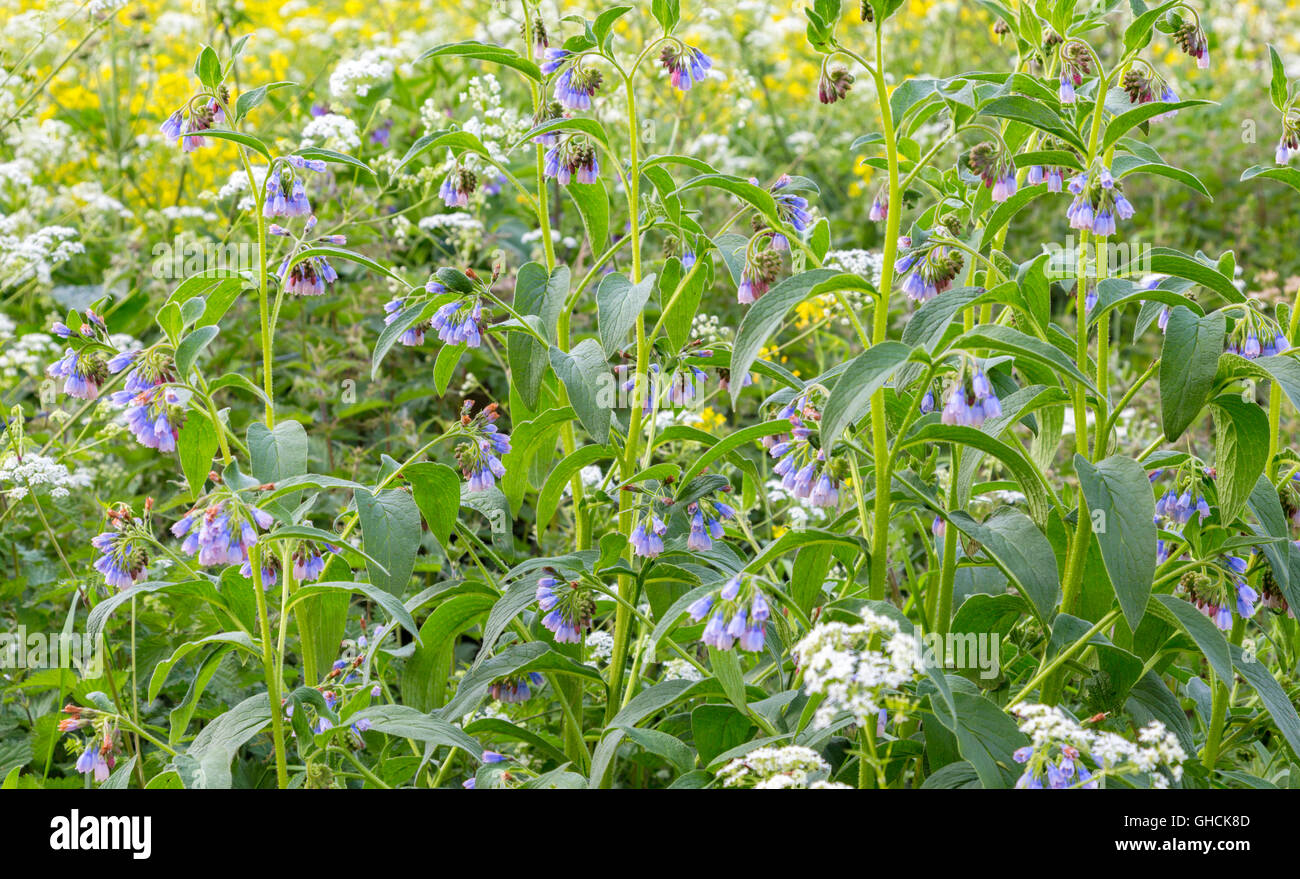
(332, 131)
(801, 512)
(792, 766)
(600, 646)
(355, 77)
(17, 477)
(709, 328)
(22, 356)
(462, 230)
(840, 664)
(498, 126)
(33, 254)
(681, 670)
(1058, 744)
(864, 263)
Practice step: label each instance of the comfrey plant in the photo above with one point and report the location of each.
(634, 480)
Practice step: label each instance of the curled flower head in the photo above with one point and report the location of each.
(971, 400)
(567, 607)
(574, 158)
(834, 83)
(480, 455)
(737, 614)
(83, 371)
(458, 186)
(686, 65)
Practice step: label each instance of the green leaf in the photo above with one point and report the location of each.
(1240, 451)
(208, 68)
(428, 670)
(1034, 114)
(1129, 119)
(245, 140)
(765, 315)
(1275, 699)
(1020, 551)
(851, 396)
(277, 454)
(436, 489)
(410, 723)
(1203, 632)
(188, 350)
(1119, 488)
(390, 528)
(197, 445)
(1018, 344)
(593, 206)
(391, 604)
(254, 97)
(586, 376)
(548, 500)
(477, 51)
(1289, 176)
(520, 659)
(667, 13)
(1138, 34)
(1279, 89)
(1188, 362)
(336, 158)
(206, 763)
(619, 303)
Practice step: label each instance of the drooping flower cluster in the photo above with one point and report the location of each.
(762, 266)
(769, 768)
(1076, 63)
(834, 83)
(513, 689)
(804, 469)
(286, 193)
(991, 164)
(1289, 143)
(1192, 40)
(480, 455)
(1256, 336)
(648, 536)
(790, 207)
(567, 605)
(686, 65)
(573, 158)
(1098, 202)
(576, 85)
(971, 400)
(1061, 750)
(737, 612)
(706, 518)
(859, 669)
(1145, 86)
(82, 370)
(99, 756)
(201, 117)
(221, 533)
(152, 408)
(1225, 590)
(1055, 177)
(1180, 509)
(458, 186)
(930, 269)
(123, 556)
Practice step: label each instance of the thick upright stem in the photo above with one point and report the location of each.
(626, 510)
(270, 669)
(880, 330)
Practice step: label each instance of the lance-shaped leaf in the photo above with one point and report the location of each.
(866, 374)
(1188, 362)
(1123, 511)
